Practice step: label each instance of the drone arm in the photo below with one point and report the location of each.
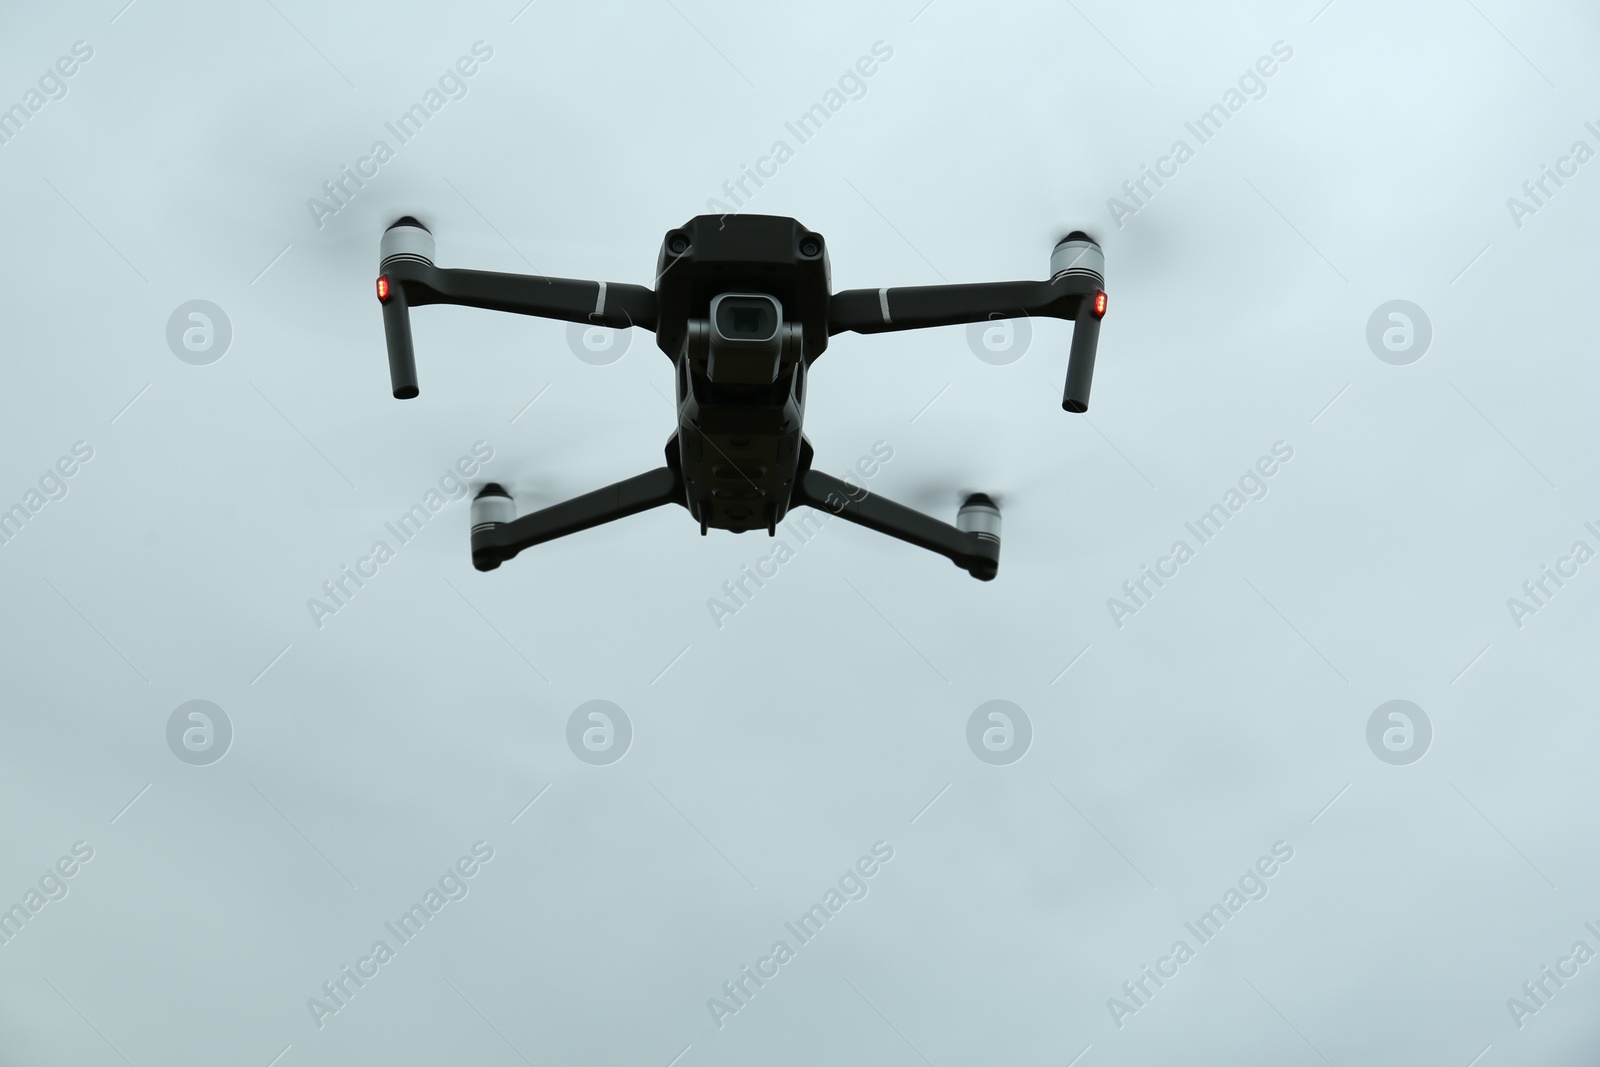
(1080, 357)
(977, 555)
(408, 278)
(496, 537)
(919, 307)
(599, 303)
(1075, 291)
(397, 337)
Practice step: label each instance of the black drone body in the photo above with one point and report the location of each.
(743, 306)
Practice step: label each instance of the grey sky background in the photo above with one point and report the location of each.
(1168, 753)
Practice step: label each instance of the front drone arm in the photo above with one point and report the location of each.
(408, 278)
(921, 306)
(1075, 291)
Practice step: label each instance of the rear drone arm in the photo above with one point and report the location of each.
(407, 278)
(498, 535)
(973, 544)
(1075, 291)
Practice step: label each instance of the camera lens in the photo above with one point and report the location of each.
(745, 343)
(678, 244)
(810, 246)
(747, 318)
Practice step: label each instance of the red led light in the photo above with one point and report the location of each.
(1100, 304)
(383, 288)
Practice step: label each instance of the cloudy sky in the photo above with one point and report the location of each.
(1339, 746)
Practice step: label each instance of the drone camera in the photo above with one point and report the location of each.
(745, 339)
(746, 319)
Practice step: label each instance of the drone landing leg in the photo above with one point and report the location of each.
(497, 535)
(976, 553)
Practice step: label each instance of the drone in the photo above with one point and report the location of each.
(743, 307)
